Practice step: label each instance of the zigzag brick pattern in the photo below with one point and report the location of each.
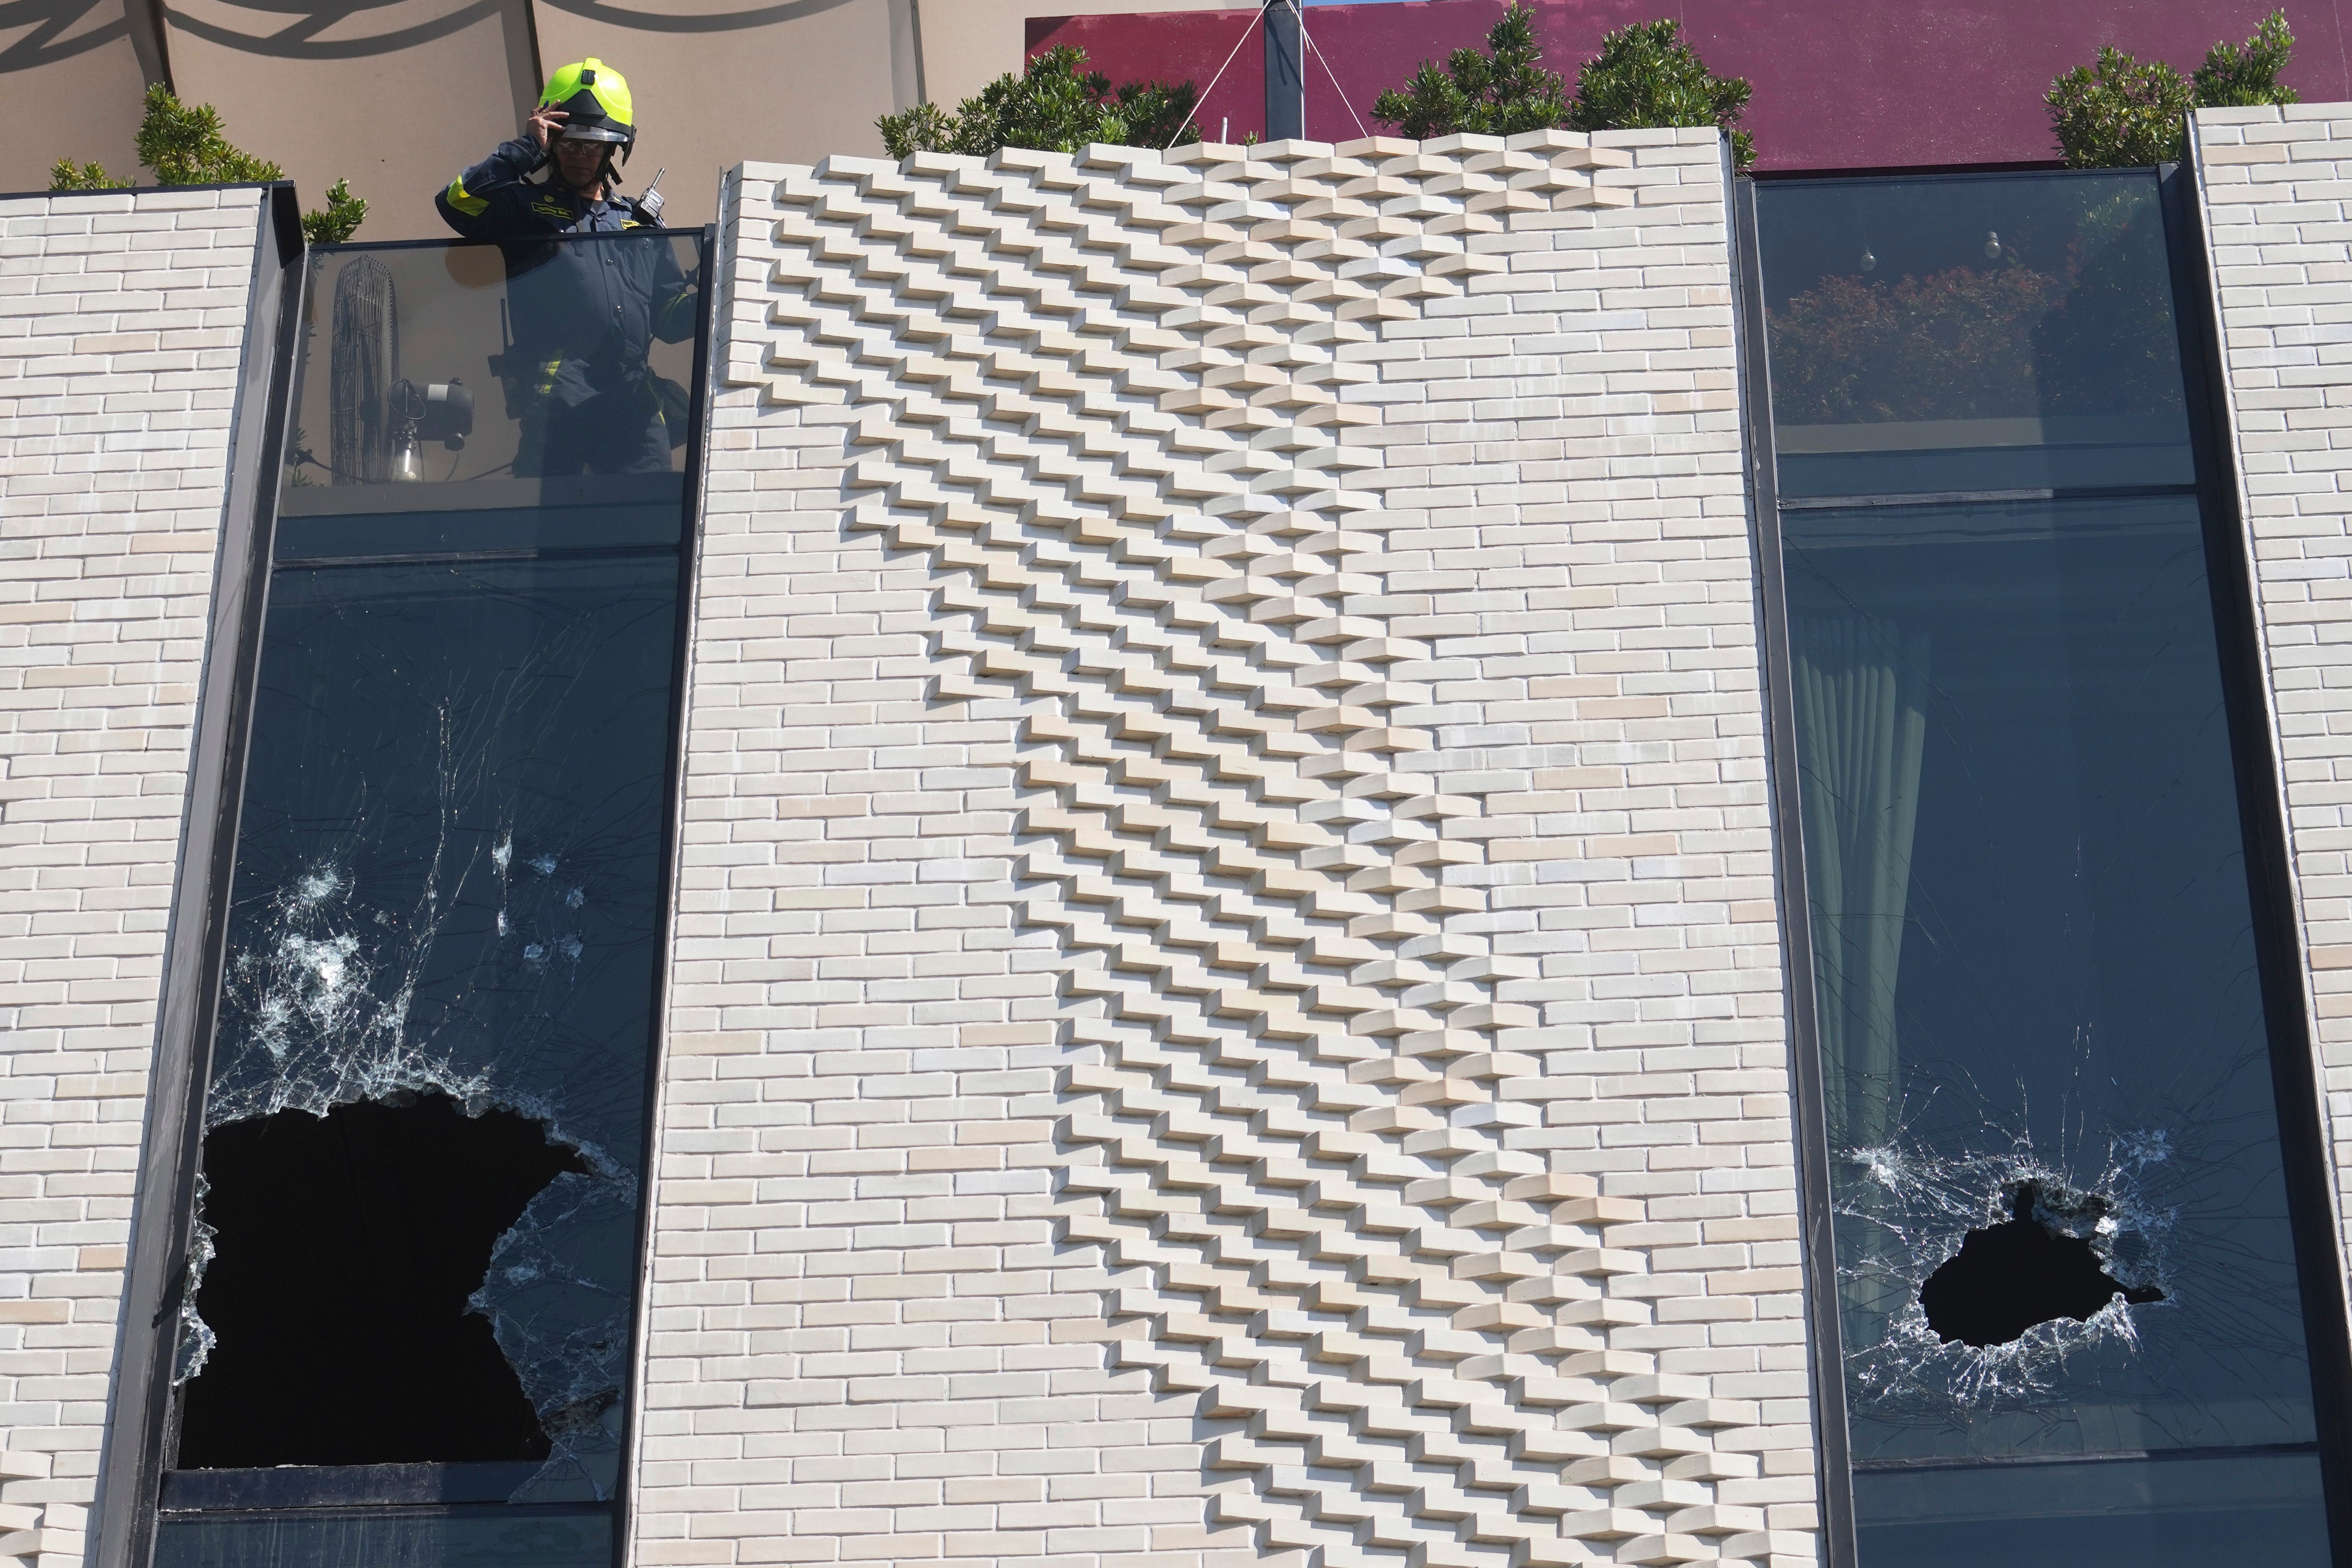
(1334, 581)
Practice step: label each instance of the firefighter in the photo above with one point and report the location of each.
(583, 311)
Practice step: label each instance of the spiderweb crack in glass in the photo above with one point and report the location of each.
(446, 886)
(330, 1000)
(1919, 1208)
(329, 992)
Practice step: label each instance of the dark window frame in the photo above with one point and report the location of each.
(142, 1406)
(2278, 941)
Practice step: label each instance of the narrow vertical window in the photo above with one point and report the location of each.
(2066, 1278)
(406, 1321)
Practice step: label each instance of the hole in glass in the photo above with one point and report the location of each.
(2008, 1278)
(345, 1249)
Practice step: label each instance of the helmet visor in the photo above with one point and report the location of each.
(592, 134)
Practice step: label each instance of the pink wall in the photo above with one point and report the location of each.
(1840, 84)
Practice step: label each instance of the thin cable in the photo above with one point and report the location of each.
(1330, 72)
(1213, 81)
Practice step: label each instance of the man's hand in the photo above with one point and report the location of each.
(545, 122)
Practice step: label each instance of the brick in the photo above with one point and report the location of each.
(1161, 739)
(2275, 261)
(110, 668)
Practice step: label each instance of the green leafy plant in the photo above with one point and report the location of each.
(2124, 112)
(2232, 79)
(185, 144)
(2119, 113)
(1645, 76)
(335, 222)
(1054, 106)
(1500, 90)
(65, 174)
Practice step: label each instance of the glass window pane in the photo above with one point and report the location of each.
(1970, 334)
(2161, 1513)
(389, 1538)
(459, 377)
(2061, 1219)
(438, 1000)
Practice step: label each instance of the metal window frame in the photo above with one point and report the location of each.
(689, 556)
(2279, 954)
(1825, 1338)
(142, 1410)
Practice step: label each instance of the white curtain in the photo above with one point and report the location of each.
(1862, 729)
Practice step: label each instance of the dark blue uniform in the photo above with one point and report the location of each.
(584, 311)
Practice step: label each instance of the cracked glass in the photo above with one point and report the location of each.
(2066, 1284)
(414, 1251)
(447, 883)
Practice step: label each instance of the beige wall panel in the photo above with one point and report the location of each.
(968, 44)
(70, 87)
(396, 98)
(1122, 1103)
(121, 329)
(717, 81)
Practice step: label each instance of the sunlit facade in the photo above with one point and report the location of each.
(1511, 853)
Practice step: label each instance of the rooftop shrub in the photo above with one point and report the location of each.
(2124, 113)
(1500, 90)
(185, 144)
(1054, 105)
(1644, 78)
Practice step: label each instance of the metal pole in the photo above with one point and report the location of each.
(1286, 72)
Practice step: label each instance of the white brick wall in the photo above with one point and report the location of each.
(2278, 216)
(1226, 999)
(121, 319)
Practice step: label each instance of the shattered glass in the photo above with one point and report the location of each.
(558, 1294)
(447, 883)
(2065, 1026)
(2066, 1282)
(196, 1337)
(2024, 701)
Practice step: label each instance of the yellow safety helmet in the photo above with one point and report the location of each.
(596, 100)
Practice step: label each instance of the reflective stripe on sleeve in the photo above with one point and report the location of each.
(465, 201)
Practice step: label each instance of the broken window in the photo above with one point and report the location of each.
(406, 1318)
(2066, 1280)
(347, 1251)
